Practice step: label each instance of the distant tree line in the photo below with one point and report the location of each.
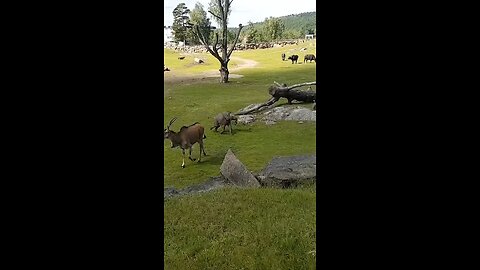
(281, 28)
(271, 29)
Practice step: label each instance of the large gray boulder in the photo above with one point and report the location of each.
(290, 113)
(235, 172)
(290, 171)
(246, 119)
(302, 114)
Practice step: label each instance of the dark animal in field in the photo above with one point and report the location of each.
(165, 68)
(181, 57)
(309, 57)
(224, 119)
(283, 57)
(294, 58)
(186, 138)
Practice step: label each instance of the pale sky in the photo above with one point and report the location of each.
(244, 11)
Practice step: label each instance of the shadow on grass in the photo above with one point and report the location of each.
(209, 159)
(235, 131)
(287, 73)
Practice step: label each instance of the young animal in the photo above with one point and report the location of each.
(224, 119)
(283, 57)
(186, 138)
(294, 58)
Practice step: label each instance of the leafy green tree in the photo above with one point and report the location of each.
(252, 34)
(292, 34)
(198, 16)
(273, 28)
(180, 22)
(309, 28)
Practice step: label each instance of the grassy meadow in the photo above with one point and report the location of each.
(236, 228)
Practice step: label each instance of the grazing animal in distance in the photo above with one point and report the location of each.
(309, 57)
(181, 57)
(294, 58)
(165, 68)
(283, 57)
(186, 138)
(224, 119)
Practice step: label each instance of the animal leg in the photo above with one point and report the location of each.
(190, 155)
(183, 160)
(230, 129)
(200, 156)
(202, 149)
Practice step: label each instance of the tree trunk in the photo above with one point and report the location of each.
(278, 91)
(224, 74)
(293, 94)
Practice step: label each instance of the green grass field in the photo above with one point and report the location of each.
(237, 228)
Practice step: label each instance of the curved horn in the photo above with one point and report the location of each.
(171, 122)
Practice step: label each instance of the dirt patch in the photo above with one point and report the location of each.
(173, 77)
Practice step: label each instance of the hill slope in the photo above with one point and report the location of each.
(296, 25)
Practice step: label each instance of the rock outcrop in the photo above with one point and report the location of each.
(280, 172)
(245, 119)
(286, 172)
(289, 113)
(212, 184)
(235, 172)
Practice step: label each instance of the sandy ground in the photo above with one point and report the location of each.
(172, 76)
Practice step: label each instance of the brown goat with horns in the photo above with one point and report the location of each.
(186, 138)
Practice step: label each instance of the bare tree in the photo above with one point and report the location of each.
(223, 9)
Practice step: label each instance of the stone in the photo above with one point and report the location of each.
(235, 172)
(290, 113)
(270, 122)
(213, 184)
(169, 192)
(302, 114)
(292, 171)
(245, 119)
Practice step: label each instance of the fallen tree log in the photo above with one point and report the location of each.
(283, 91)
(278, 91)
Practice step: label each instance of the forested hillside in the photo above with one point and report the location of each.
(285, 27)
(292, 26)
(301, 22)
